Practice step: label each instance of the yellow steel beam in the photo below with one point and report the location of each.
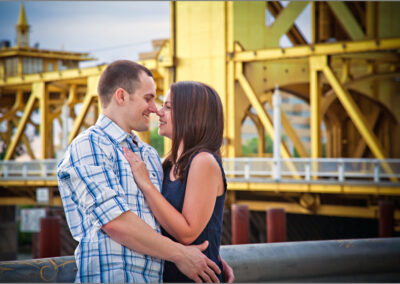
(326, 210)
(18, 105)
(232, 132)
(260, 132)
(56, 201)
(265, 119)
(36, 87)
(91, 94)
(334, 188)
(72, 97)
(45, 122)
(262, 114)
(51, 55)
(52, 76)
(284, 21)
(330, 96)
(28, 146)
(317, 49)
(373, 118)
(315, 106)
(293, 34)
(357, 117)
(346, 18)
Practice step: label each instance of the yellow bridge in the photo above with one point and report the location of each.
(347, 74)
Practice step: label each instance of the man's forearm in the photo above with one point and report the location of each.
(131, 231)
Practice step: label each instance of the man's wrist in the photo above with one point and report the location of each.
(177, 252)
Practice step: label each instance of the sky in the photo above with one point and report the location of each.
(107, 30)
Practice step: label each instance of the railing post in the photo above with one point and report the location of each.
(376, 171)
(24, 170)
(5, 172)
(44, 169)
(341, 170)
(247, 169)
(308, 170)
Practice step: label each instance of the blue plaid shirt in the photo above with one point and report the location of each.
(96, 186)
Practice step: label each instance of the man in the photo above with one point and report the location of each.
(119, 238)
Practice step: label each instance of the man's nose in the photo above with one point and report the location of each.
(153, 107)
(160, 112)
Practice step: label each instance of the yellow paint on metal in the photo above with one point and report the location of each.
(326, 210)
(91, 95)
(336, 188)
(315, 105)
(36, 87)
(284, 22)
(357, 117)
(52, 76)
(318, 49)
(347, 20)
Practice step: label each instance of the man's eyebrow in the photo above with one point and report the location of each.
(149, 95)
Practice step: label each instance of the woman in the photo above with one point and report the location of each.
(190, 209)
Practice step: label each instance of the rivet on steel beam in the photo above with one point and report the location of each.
(344, 45)
(255, 52)
(377, 42)
(283, 50)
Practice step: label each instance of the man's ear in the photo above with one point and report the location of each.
(120, 96)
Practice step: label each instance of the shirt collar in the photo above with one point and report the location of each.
(115, 132)
(112, 129)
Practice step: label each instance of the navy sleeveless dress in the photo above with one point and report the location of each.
(174, 192)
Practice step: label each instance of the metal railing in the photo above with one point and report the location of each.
(249, 170)
(29, 170)
(311, 170)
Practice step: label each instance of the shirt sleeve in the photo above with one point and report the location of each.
(93, 180)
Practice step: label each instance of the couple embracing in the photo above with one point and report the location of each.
(137, 220)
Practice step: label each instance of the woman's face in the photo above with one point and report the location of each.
(165, 120)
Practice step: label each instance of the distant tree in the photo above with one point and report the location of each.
(157, 141)
(251, 147)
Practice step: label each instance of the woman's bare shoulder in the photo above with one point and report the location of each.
(205, 159)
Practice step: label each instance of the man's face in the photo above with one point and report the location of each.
(141, 104)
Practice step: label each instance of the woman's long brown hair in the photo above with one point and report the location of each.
(197, 121)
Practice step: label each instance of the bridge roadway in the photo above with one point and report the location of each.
(304, 183)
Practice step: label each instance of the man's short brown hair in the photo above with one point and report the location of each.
(120, 74)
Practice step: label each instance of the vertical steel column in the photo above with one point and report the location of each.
(276, 225)
(240, 224)
(49, 244)
(276, 101)
(386, 218)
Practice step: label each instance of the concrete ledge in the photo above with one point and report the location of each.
(358, 260)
